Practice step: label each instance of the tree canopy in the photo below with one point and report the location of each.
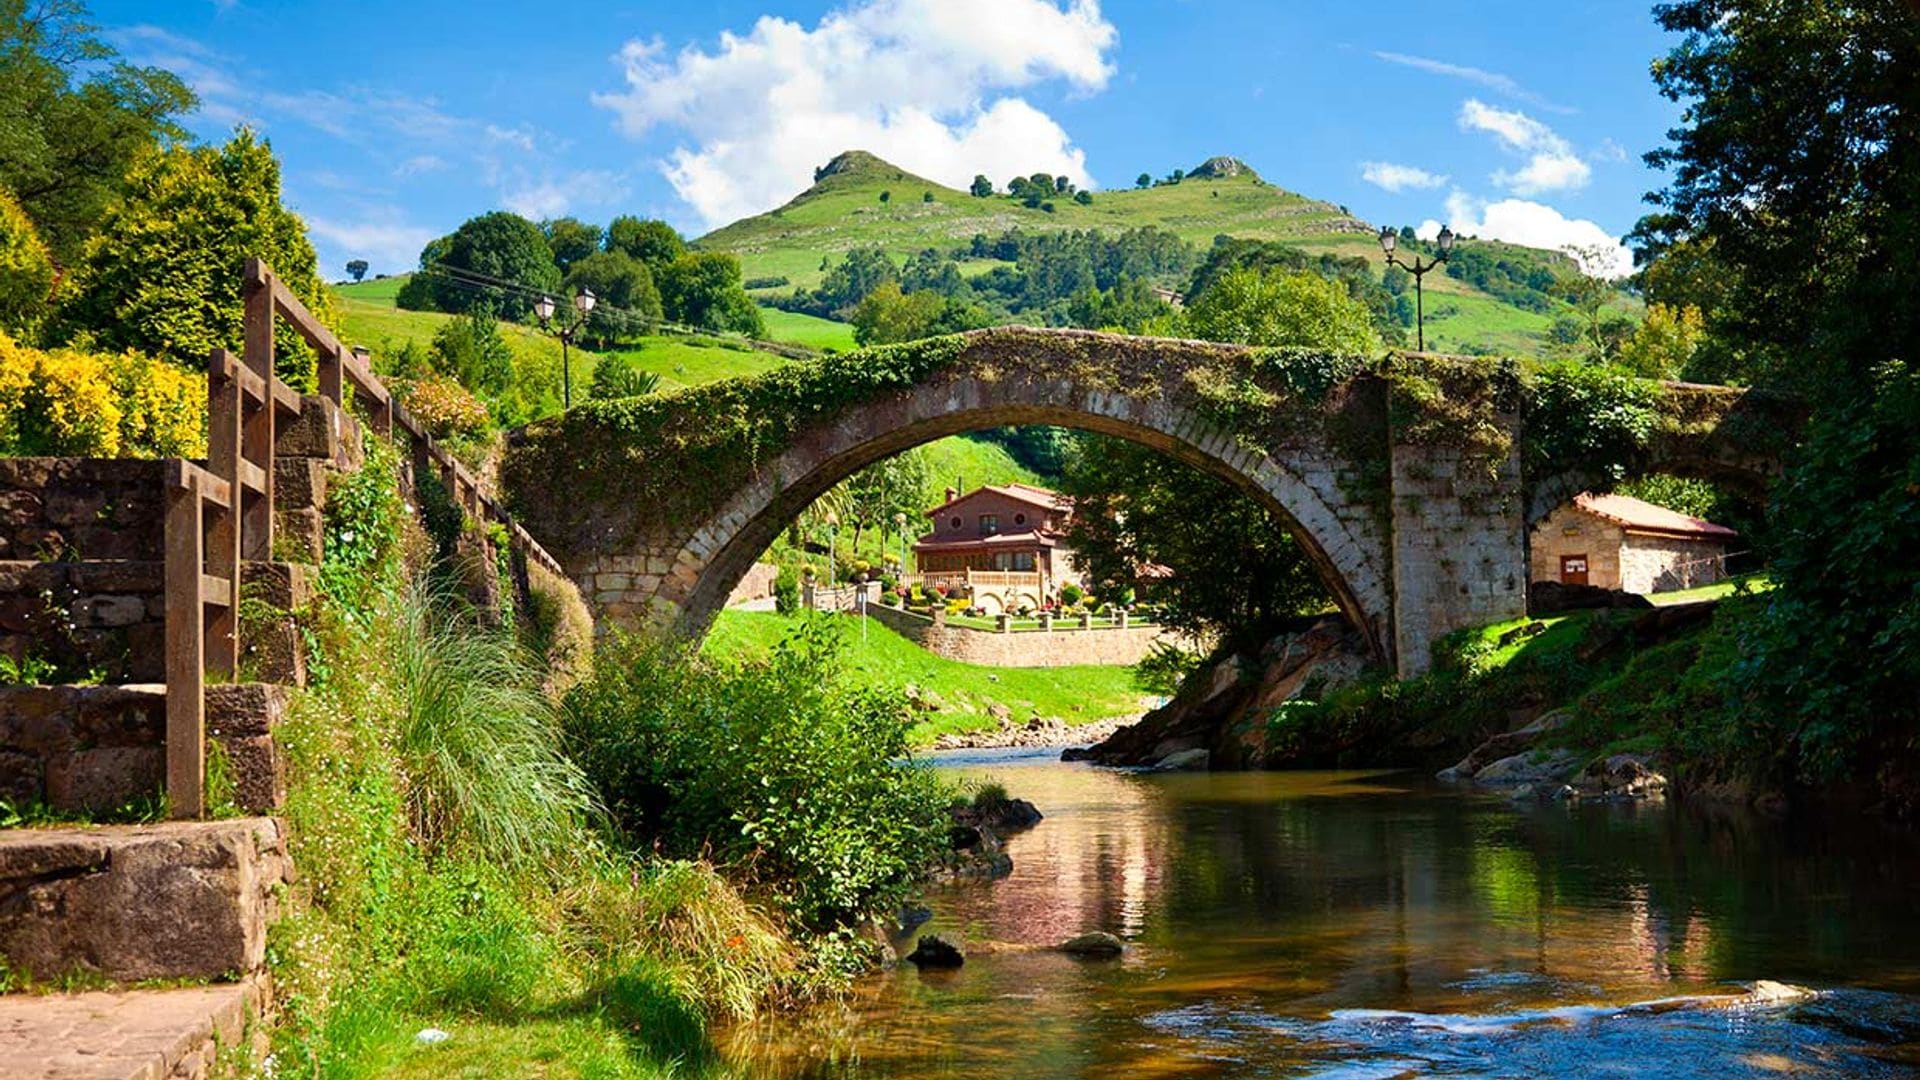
(74, 117)
(481, 262)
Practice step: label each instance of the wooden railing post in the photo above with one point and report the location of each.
(255, 509)
(227, 404)
(186, 649)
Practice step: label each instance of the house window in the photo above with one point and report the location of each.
(1019, 519)
(956, 521)
(1023, 560)
(989, 524)
(1002, 560)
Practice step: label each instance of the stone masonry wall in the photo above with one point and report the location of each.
(1656, 564)
(1459, 547)
(1064, 646)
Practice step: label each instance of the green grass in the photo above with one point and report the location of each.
(809, 330)
(1757, 582)
(369, 317)
(691, 361)
(884, 658)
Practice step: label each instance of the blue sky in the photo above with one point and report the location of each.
(398, 120)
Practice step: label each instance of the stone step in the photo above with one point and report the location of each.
(134, 1034)
(181, 900)
(95, 749)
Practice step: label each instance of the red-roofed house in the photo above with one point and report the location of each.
(1002, 541)
(1619, 542)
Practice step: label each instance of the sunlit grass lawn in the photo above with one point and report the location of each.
(1076, 695)
(1756, 582)
(809, 330)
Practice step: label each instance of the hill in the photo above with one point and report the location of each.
(843, 209)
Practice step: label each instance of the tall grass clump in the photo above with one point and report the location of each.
(784, 769)
(478, 741)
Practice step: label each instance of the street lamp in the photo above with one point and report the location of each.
(565, 330)
(1388, 238)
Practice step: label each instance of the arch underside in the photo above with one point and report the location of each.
(1340, 539)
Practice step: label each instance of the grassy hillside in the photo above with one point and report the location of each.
(966, 691)
(843, 210)
(369, 317)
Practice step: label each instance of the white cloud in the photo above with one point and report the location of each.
(553, 197)
(909, 80)
(1532, 224)
(1492, 80)
(1397, 178)
(387, 244)
(1551, 164)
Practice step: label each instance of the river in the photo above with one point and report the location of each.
(1363, 925)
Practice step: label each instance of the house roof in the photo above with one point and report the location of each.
(996, 542)
(1032, 495)
(1638, 516)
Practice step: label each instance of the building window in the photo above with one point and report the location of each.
(989, 524)
(1019, 519)
(1023, 560)
(1001, 560)
(956, 521)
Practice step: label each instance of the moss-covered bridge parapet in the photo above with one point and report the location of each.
(1401, 478)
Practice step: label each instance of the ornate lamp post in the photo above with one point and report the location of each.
(565, 330)
(1388, 238)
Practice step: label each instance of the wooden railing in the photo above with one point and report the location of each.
(220, 515)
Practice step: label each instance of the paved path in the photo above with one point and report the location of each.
(121, 1034)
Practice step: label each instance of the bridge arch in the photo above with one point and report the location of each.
(716, 555)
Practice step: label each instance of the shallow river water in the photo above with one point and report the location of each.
(1378, 925)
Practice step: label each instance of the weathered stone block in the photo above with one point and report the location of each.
(258, 771)
(284, 586)
(298, 535)
(111, 610)
(245, 708)
(177, 901)
(299, 483)
(104, 778)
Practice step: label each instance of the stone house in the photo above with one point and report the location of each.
(1619, 542)
(1004, 542)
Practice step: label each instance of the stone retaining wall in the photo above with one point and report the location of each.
(1066, 645)
(95, 749)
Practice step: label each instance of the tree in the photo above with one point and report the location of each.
(654, 243)
(1017, 187)
(926, 196)
(897, 485)
(886, 315)
(1590, 296)
(472, 351)
(1297, 308)
(492, 260)
(1143, 181)
(27, 273)
(74, 118)
(886, 196)
(1794, 166)
(1664, 344)
(357, 268)
(570, 240)
(702, 288)
(164, 273)
(858, 273)
(1062, 185)
(982, 187)
(1083, 197)
(628, 301)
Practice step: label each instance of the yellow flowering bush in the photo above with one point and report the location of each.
(65, 402)
(444, 406)
(27, 273)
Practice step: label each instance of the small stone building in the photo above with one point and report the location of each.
(1623, 543)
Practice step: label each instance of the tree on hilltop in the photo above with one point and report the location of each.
(571, 240)
(654, 243)
(982, 187)
(492, 259)
(357, 269)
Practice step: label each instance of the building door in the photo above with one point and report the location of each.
(1573, 569)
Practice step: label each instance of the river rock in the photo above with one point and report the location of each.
(1504, 745)
(1194, 760)
(1096, 943)
(1528, 768)
(1624, 774)
(934, 951)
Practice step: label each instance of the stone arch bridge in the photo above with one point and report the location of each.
(1402, 479)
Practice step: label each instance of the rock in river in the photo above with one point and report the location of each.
(934, 951)
(1095, 944)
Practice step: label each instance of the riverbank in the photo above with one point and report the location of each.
(1037, 732)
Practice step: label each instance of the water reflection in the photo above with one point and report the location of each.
(1371, 924)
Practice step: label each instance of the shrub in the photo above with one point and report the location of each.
(782, 768)
(1071, 594)
(615, 376)
(66, 402)
(786, 591)
(445, 407)
(1164, 668)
